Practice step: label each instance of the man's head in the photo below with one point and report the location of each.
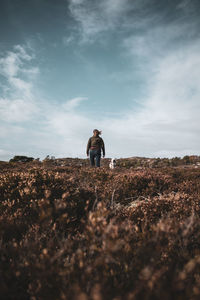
(96, 132)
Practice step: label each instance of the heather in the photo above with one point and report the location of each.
(75, 232)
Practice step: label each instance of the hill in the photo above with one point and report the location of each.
(69, 231)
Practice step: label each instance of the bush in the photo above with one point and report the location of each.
(83, 233)
(20, 158)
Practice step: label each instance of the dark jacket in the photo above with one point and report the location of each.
(95, 142)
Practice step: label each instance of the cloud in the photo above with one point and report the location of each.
(165, 124)
(7, 130)
(13, 65)
(67, 40)
(162, 46)
(97, 17)
(68, 127)
(18, 103)
(17, 110)
(22, 53)
(97, 20)
(187, 6)
(71, 104)
(4, 154)
(167, 120)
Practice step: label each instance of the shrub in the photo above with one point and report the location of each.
(20, 158)
(81, 233)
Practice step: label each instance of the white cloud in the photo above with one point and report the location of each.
(167, 123)
(8, 130)
(73, 103)
(114, 7)
(13, 65)
(67, 40)
(18, 104)
(17, 110)
(187, 6)
(98, 16)
(10, 65)
(67, 123)
(4, 154)
(13, 62)
(22, 86)
(22, 53)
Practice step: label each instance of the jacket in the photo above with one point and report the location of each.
(96, 142)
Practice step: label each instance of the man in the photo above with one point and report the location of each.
(94, 146)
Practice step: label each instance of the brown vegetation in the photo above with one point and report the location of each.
(74, 232)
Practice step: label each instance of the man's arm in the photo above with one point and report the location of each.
(88, 146)
(103, 148)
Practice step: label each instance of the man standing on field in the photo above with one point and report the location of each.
(94, 146)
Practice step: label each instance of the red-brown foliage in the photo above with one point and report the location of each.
(81, 233)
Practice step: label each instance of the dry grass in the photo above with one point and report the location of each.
(80, 233)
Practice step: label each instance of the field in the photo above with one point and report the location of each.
(74, 232)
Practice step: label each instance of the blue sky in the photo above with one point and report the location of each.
(128, 68)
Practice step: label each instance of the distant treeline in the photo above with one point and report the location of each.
(132, 162)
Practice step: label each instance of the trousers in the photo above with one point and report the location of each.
(95, 157)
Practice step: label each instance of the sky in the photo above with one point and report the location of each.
(130, 68)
